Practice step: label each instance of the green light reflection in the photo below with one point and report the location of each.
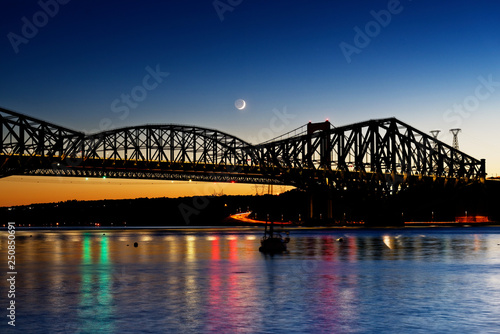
(95, 309)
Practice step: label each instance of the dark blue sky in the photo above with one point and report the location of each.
(285, 58)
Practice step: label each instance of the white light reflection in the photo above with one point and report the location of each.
(388, 241)
(173, 251)
(190, 248)
(146, 238)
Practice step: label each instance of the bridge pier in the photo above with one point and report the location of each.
(329, 207)
(318, 207)
(311, 206)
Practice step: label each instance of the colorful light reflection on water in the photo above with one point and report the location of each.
(195, 281)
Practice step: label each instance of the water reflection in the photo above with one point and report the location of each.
(391, 247)
(199, 281)
(95, 305)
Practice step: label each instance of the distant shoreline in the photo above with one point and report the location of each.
(248, 228)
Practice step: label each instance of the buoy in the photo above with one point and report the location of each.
(340, 239)
(136, 244)
(127, 245)
(104, 234)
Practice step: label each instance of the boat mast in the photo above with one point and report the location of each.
(265, 230)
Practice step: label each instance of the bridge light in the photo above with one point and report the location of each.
(86, 179)
(104, 176)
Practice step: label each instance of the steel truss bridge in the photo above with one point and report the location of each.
(385, 154)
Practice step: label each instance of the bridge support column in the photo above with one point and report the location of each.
(311, 206)
(329, 207)
(482, 172)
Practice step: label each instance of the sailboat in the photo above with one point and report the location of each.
(273, 242)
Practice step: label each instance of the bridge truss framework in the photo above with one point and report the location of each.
(387, 154)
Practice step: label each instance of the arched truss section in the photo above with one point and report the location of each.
(169, 143)
(173, 152)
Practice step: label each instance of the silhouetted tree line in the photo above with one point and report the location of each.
(425, 202)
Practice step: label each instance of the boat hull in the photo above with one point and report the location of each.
(272, 245)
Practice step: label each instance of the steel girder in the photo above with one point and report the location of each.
(385, 146)
(169, 143)
(26, 138)
(376, 151)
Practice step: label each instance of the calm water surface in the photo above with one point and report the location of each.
(426, 280)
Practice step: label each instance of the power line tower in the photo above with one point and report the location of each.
(435, 134)
(455, 137)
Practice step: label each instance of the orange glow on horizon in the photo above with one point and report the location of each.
(25, 190)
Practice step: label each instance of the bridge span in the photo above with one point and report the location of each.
(386, 155)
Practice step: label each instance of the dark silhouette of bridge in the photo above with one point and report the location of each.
(385, 154)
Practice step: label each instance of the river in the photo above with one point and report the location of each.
(414, 280)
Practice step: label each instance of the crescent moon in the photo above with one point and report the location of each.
(240, 104)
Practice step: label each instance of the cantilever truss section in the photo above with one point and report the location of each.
(179, 152)
(375, 146)
(25, 140)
